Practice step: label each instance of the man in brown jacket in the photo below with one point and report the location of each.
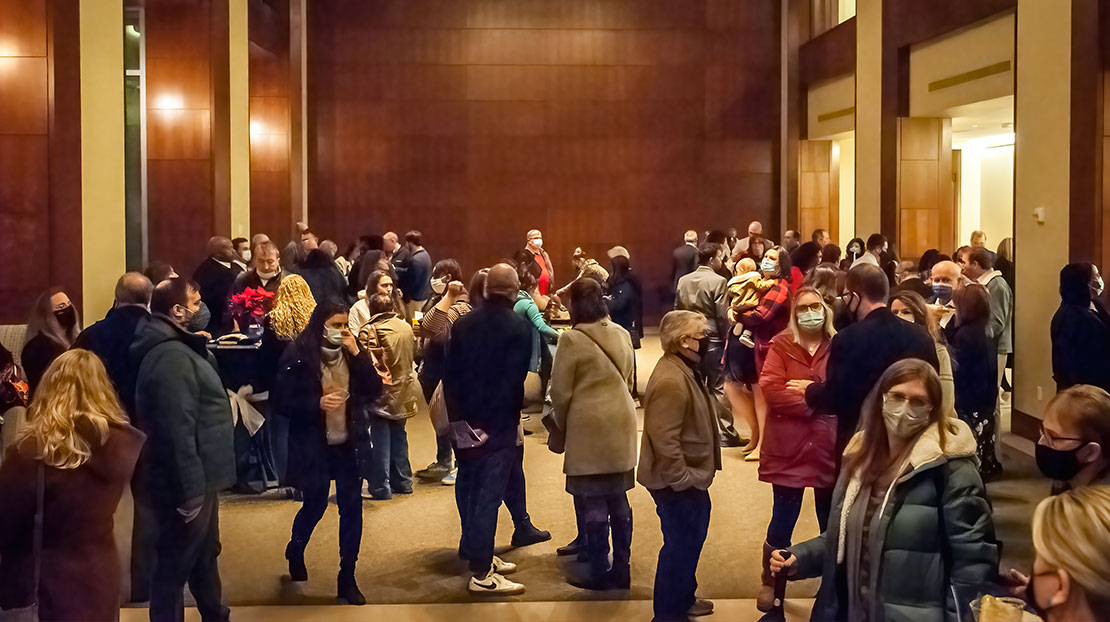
(679, 456)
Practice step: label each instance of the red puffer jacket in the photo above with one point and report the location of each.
(798, 447)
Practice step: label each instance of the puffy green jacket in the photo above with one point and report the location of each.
(183, 407)
(935, 535)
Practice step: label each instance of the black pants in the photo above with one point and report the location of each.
(144, 539)
(604, 515)
(787, 507)
(444, 451)
(348, 496)
(684, 519)
(481, 486)
(712, 365)
(186, 553)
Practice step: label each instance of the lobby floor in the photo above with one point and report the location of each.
(409, 543)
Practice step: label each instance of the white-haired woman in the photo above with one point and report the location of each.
(76, 453)
(1071, 574)
(679, 456)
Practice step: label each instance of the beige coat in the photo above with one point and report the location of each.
(592, 401)
(680, 448)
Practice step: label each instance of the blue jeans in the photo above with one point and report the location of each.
(684, 519)
(389, 461)
(787, 506)
(481, 486)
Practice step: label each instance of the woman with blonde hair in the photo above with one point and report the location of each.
(1071, 573)
(909, 496)
(51, 329)
(799, 445)
(67, 469)
(293, 306)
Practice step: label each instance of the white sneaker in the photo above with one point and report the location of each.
(501, 566)
(450, 479)
(494, 584)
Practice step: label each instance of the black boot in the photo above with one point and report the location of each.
(294, 552)
(597, 539)
(526, 533)
(620, 577)
(347, 588)
(574, 547)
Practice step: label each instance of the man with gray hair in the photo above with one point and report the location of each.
(685, 258)
(483, 385)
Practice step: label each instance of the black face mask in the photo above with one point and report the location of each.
(1059, 464)
(844, 316)
(67, 317)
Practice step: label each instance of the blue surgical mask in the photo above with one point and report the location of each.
(811, 321)
(769, 267)
(942, 291)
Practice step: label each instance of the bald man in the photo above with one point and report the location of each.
(215, 276)
(755, 236)
(944, 279)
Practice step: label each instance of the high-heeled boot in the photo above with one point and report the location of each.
(346, 587)
(620, 576)
(294, 552)
(597, 541)
(766, 597)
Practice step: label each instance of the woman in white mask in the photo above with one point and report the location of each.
(799, 445)
(910, 535)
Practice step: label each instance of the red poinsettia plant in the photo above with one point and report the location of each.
(250, 306)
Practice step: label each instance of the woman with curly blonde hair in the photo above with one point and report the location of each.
(70, 464)
(293, 306)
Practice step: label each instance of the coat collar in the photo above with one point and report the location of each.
(927, 452)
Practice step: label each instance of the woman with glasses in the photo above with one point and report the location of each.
(799, 444)
(679, 456)
(910, 535)
(52, 328)
(1075, 437)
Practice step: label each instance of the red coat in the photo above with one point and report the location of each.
(798, 447)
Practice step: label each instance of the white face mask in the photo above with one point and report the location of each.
(333, 337)
(439, 286)
(266, 276)
(903, 419)
(538, 242)
(246, 255)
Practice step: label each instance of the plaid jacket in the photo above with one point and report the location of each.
(768, 319)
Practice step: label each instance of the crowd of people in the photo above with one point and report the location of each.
(875, 382)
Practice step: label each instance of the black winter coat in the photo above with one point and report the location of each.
(296, 394)
(215, 282)
(110, 339)
(323, 277)
(626, 306)
(974, 368)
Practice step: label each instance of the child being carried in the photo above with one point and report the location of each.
(744, 292)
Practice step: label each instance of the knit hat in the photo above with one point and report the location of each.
(618, 251)
(503, 281)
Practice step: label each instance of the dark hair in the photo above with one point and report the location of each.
(716, 237)
(235, 242)
(959, 251)
(973, 304)
(373, 280)
(587, 303)
(379, 303)
(806, 256)
(915, 285)
(310, 340)
(824, 279)
(982, 257)
(869, 282)
(158, 271)
(876, 242)
(448, 267)
(620, 268)
(706, 253)
(928, 260)
(784, 261)
(830, 254)
(171, 292)
(1075, 283)
(816, 237)
(374, 242)
(873, 453)
(415, 238)
(941, 257)
(915, 302)
(477, 288)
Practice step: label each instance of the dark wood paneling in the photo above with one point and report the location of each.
(601, 122)
(1085, 163)
(270, 119)
(181, 130)
(829, 55)
(40, 153)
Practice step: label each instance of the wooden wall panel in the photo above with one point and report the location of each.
(602, 122)
(818, 187)
(181, 205)
(926, 203)
(40, 155)
(269, 88)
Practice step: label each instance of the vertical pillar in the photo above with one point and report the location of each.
(298, 109)
(103, 244)
(869, 103)
(1042, 115)
(239, 118)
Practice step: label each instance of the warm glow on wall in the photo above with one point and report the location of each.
(258, 128)
(169, 101)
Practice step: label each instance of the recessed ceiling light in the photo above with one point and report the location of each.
(974, 126)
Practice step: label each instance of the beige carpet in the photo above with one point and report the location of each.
(409, 543)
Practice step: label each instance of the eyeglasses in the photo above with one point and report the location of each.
(1052, 441)
(63, 306)
(817, 306)
(894, 398)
